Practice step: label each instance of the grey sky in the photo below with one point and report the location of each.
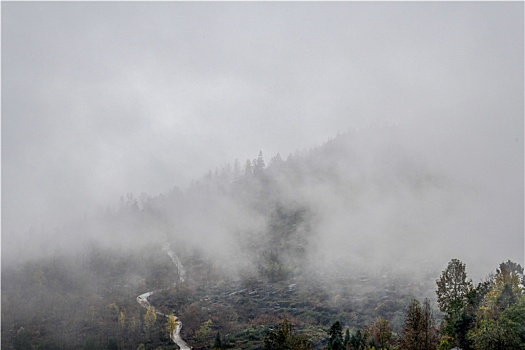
(100, 99)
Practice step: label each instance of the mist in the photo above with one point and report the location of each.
(404, 120)
(251, 162)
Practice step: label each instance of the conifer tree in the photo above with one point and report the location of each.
(419, 331)
(357, 341)
(248, 169)
(412, 327)
(347, 337)
(259, 164)
(236, 170)
(335, 340)
(218, 343)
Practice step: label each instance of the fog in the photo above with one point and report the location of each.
(104, 99)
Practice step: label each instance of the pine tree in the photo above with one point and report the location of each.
(236, 170)
(429, 337)
(347, 337)
(259, 164)
(22, 340)
(284, 338)
(335, 340)
(357, 341)
(411, 338)
(248, 169)
(277, 160)
(218, 343)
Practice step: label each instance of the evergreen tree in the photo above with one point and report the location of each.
(22, 340)
(284, 338)
(411, 337)
(236, 170)
(335, 339)
(218, 343)
(347, 337)
(419, 332)
(277, 160)
(429, 337)
(357, 341)
(248, 169)
(259, 164)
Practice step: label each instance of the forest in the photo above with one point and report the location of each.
(328, 249)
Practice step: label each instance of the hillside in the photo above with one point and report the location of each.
(336, 232)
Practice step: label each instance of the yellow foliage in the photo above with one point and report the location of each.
(501, 279)
(121, 319)
(204, 330)
(172, 323)
(149, 319)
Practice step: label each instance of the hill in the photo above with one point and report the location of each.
(335, 232)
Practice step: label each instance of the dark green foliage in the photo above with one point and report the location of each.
(456, 297)
(112, 344)
(218, 343)
(458, 324)
(347, 337)
(335, 337)
(506, 298)
(505, 332)
(500, 318)
(90, 344)
(22, 340)
(510, 267)
(284, 338)
(453, 287)
(357, 341)
(487, 317)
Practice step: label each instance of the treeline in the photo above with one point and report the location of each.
(64, 310)
(486, 316)
(269, 215)
(85, 301)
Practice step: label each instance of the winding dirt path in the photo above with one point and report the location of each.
(143, 298)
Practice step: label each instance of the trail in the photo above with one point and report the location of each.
(143, 298)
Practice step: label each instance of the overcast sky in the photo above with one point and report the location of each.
(101, 99)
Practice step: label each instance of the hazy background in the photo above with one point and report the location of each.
(101, 99)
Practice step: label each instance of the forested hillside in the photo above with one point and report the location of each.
(348, 231)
